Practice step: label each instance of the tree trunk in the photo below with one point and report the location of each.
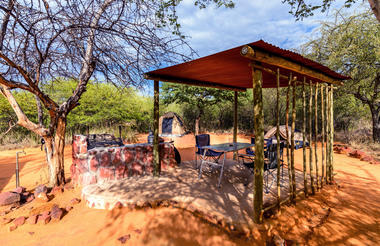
(375, 124)
(197, 124)
(375, 6)
(55, 154)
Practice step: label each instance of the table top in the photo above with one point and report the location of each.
(228, 147)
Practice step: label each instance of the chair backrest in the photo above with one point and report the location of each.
(252, 140)
(272, 155)
(202, 140)
(249, 151)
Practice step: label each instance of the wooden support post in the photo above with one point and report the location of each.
(258, 124)
(293, 143)
(316, 135)
(278, 138)
(287, 137)
(156, 155)
(235, 120)
(327, 135)
(304, 137)
(323, 135)
(311, 138)
(331, 133)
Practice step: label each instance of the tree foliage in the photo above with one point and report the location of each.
(351, 45)
(303, 8)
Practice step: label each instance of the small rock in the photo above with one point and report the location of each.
(5, 221)
(40, 193)
(19, 190)
(124, 238)
(118, 205)
(32, 219)
(56, 213)
(12, 228)
(138, 231)
(46, 213)
(30, 198)
(42, 197)
(56, 190)
(3, 213)
(68, 208)
(19, 221)
(43, 219)
(7, 198)
(75, 201)
(31, 233)
(41, 189)
(68, 186)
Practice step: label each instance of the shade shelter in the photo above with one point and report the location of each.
(261, 65)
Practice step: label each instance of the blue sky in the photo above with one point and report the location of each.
(214, 29)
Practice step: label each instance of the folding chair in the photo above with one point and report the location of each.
(270, 165)
(248, 158)
(201, 141)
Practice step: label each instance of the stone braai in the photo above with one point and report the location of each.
(98, 164)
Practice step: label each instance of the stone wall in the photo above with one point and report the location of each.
(111, 163)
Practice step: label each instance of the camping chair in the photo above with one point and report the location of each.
(201, 141)
(249, 157)
(270, 165)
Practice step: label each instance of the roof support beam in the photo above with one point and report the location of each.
(261, 56)
(193, 82)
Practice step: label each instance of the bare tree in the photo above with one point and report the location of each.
(43, 41)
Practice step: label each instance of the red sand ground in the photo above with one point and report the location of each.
(344, 215)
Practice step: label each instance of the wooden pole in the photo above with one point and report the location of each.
(331, 133)
(258, 124)
(156, 155)
(310, 137)
(235, 120)
(316, 135)
(293, 143)
(328, 135)
(304, 137)
(323, 135)
(278, 138)
(287, 137)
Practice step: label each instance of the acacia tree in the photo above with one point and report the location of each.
(351, 45)
(197, 97)
(303, 8)
(111, 40)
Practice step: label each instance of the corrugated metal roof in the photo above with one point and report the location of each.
(297, 58)
(229, 69)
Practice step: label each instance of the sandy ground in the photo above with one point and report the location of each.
(348, 214)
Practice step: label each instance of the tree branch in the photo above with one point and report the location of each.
(22, 118)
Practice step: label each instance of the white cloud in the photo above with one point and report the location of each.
(216, 29)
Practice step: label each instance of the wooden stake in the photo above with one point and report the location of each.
(328, 135)
(304, 137)
(323, 135)
(316, 135)
(156, 155)
(235, 120)
(293, 143)
(258, 124)
(331, 133)
(310, 137)
(287, 137)
(278, 138)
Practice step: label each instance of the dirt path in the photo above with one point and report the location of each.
(344, 215)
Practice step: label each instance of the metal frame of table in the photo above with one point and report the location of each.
(225, 148)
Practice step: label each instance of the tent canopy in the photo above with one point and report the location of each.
(171, 124)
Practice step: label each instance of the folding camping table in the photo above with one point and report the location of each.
(225, 148)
